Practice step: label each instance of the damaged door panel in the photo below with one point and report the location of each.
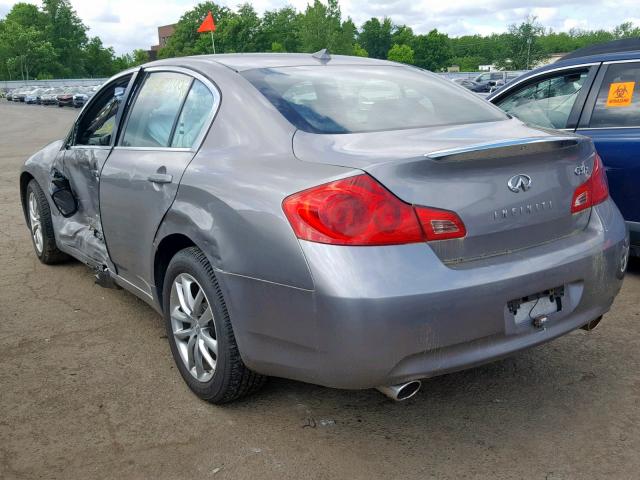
(79, 168)
(141, 176)
(75, 175)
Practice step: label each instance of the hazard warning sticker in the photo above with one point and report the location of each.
(620, 94)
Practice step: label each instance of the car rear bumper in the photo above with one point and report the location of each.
(385, 315)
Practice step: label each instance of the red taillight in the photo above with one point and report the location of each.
(359, 211)
(592, 192)
(440, 224)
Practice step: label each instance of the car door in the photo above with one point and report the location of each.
(612, 119)
(550, 100)
(86, 149)
(163, 128)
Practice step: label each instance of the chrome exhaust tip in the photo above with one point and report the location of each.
(592, 324)
(402, 391)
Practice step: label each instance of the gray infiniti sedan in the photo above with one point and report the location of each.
(348, 222)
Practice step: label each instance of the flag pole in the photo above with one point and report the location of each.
(213, 43)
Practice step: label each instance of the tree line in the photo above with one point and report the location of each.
(321, 25)
(52, 41)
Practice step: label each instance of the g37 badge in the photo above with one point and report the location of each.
(582, 170)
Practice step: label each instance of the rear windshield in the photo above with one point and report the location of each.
(352, 99)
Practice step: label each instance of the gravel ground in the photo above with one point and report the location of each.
(88, 388)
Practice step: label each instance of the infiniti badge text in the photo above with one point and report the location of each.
(528, 209)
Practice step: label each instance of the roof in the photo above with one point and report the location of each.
(614, 46)
(247, 61)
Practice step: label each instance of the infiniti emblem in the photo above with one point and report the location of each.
(519, 183)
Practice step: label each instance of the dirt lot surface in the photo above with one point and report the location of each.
(88, 388)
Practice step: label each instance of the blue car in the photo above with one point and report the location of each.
(597, 95)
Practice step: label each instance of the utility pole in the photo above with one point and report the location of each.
(529, 40)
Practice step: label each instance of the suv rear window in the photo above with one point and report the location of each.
(352, 99)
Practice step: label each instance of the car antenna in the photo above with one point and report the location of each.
(322, 55)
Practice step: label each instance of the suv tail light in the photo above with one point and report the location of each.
(359, 211)
(592, 192)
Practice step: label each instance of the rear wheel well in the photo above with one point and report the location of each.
(25, 178)
(168, 247)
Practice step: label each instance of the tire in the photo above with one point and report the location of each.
(229, 379)
(44, 243)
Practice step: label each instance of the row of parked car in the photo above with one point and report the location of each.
(487, 82)
(69, 96)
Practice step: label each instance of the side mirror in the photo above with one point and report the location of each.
(61, 194)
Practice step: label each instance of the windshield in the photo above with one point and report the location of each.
(353, 99)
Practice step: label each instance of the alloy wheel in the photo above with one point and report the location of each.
(34, 221)
(193, 327)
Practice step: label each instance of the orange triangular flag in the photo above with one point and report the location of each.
(209, 25)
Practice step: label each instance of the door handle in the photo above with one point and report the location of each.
(160, 178)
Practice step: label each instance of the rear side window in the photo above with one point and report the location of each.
(196, 111)
(547, 102)
(618, 102)
(352, 99)
(155, 110)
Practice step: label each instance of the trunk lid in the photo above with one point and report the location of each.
(468, 169)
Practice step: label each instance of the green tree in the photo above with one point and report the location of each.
(140, 56)
(241, 31)
(281, 27)
(68, 35)
(523, 50)
(626, 30)
(402, 35)
(27, 15)
(401, 53)
(432, 51)
(375, 37)
(187, 41)
(321, 27)
(344, 39)
(358, 51)
(52, 41)
(468, 63)
(128, 60)
(98, 60)
(25, 51)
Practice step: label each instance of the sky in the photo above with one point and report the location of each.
(126, 25)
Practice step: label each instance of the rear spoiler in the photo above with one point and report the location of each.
(507, 148)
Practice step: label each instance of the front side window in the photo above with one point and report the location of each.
(95, 127)
(548, 102)
(353, 99)
(156, 108)
(196, 111)
(618, 102)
